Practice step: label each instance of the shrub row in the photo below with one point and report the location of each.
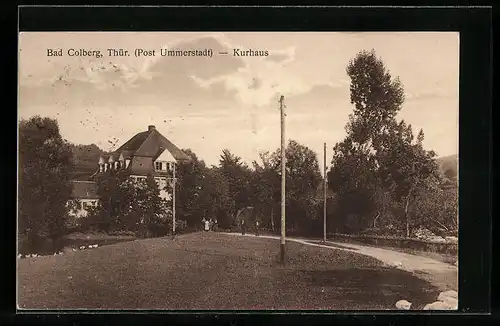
(399, 242)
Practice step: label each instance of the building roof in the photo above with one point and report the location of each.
(84, 190)
(150, 143)
(141, 165)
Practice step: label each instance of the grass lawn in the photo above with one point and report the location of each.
(215, 271)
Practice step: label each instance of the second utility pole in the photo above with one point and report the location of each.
(174, 180)
(283, 178)
(324, 192)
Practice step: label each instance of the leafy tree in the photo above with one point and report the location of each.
(353, 177)
(107, 216)
(238, 176)
(302, 180)
(379, 155)
(450, 174)
(44, 179)
(436, 209)
(193, 201)
(223, 203)
(143, 210)
(405, 166)
(376, 96)
(266, 185)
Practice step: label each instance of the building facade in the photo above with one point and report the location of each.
(147, 153)
(83, 196)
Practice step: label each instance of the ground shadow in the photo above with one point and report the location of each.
(383, 286)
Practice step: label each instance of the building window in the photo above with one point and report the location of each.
(158, 166)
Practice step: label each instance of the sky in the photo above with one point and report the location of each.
(221, 102)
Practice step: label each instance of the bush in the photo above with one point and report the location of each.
(180, 224)
(122, 233)
(38, 244)
(374, 231)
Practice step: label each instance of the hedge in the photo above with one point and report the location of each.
(399, 242)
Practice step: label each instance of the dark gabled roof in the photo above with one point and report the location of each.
(141, 165)
(134, 143)
(84, 190)
(126, 154)
(150, 144)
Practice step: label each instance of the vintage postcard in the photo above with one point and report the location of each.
(238, 171)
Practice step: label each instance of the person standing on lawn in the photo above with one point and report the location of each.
(216, 226)
(242, 227)
(257, 231)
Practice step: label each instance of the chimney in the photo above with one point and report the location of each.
(151, 127)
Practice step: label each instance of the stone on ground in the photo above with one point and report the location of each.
(403, 305)
(449, 293)
(439, 305)
(447, 300)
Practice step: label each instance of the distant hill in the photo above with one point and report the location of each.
(85, 158)
(449, 165)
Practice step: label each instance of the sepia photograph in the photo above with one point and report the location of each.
(247, 171)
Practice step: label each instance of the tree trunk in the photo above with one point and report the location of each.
(441, 224)
(110, 217)
(407, 204)
(375, 220)
(407, 216)
(272, 218)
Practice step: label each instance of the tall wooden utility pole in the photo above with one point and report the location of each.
(173, 200)
(324, 193)
(283, 178)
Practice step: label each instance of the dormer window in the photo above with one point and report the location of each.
(127, 162)
(161, 166)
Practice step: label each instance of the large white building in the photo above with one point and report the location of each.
(147, 153)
